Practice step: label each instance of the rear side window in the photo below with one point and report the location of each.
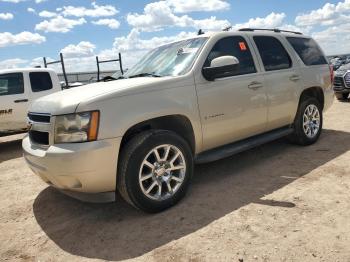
(308, 50)
(11, 84)
(272, 52)
(233, 46)
(40, 81)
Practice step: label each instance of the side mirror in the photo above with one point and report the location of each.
(222, 66)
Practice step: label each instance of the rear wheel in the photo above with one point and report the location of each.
(155, 169)
(342, 96)
(308, 122)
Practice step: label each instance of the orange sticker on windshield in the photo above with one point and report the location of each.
(242, 46)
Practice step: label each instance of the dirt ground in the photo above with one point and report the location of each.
(278, 202)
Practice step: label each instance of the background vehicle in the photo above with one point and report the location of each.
(18, 89)
(342, 82)
(191, 101)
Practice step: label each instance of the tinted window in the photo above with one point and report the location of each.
(233, 46)
(307, 50)
(40, 81)
(272, 53)
(11, 84)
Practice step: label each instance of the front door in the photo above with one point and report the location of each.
(14, 102)
(233, 107)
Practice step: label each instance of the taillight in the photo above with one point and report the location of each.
(331, 70)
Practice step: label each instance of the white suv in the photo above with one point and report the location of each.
(192, 101)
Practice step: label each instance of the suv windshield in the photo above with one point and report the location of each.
(168, 60)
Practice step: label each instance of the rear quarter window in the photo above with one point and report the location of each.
(308, 51)
(40, 81)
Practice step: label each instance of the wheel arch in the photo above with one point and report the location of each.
(179, 124)
(314, 91)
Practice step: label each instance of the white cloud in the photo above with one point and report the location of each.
(158, 15)
(329, 14)
(47, 14)
(95, 11)
(83, 49)
(59, 24)
(40, 1)
(6, 16)
(329, 39)
(9, 39)
(186, 6)
(272, 20)
(111, 23)
(12, 63)
(31, 10)
(38, 61)
(133, 41)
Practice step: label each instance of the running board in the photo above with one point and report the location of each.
(243, 145)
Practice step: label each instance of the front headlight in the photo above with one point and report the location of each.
(75, 128)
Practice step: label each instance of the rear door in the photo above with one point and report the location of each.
(14, 99)
(282, 79)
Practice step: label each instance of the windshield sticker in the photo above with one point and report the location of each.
(242, 46)
(187, 50)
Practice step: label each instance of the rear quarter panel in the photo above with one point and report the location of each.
(319, 76)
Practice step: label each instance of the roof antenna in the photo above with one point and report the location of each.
(200, 32)
(228, 28)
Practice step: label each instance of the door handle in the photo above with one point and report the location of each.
(255, 85)
(294, 78)
(21, 101)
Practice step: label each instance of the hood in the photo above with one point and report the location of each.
(342, 70)
(66, 101)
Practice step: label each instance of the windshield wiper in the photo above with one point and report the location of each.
(145, 74)
(111, 78)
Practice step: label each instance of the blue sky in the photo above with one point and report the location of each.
(81, 29)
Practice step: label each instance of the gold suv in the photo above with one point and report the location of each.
(191, 101)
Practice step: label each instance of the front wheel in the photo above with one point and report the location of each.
(155, 170)
(308, 122)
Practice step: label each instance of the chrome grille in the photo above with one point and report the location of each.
(347, 79)
(39, 118)
(39, 128)
(338, 83)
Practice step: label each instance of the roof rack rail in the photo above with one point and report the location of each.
(200, 32)
(61, 61)
(276, 30)
(227, 28)
(98, 62)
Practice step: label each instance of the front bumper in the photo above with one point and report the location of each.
(86, 168)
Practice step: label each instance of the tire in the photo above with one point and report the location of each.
(306, 137)
(342, 96)
(138, 161)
